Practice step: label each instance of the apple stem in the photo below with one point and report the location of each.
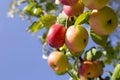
(57, 49)
(66, 22)
(101, 78)
(91, 79)
(72, 18)
(81, 60)
(34, 1)
(72, 75)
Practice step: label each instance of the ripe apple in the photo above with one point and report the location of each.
(76, 39)
(87, 69)
(90, 69)
(68, 2)
(103, 21)
(73, 10)
(56, 36)
(95, 4)
(58, 62)
(99, 68)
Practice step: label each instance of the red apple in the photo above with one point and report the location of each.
(58, 62)
(68, 2)
(90, 69)
(56, 36)
(73, 10)
(76, 39)
(87, 69)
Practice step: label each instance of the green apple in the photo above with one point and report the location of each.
(58, 62)
(95, 4)
(76, 39)
(103, 21)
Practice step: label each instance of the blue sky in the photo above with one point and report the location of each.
(20, 52)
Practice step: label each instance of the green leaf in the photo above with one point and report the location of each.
(116, 73)
(90, 54)
(41, 1)
(98, 39)
(35, 27)
(93, 54)
(43, 37)
(83, 18)
(107, 78)
(110, 52)
(29, 9)
(48, 20)
(37, 12)
(61, 19)
(97, 55)
(50, 6)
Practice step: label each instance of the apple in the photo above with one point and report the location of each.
(87, 69)
(95, 4)
(103, 21)
(58, 62)
(90, 69)
(99, 68)
(56, 36)
(68, 2)
(76, 39)
(73, 10)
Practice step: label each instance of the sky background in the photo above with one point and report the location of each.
(20, 51)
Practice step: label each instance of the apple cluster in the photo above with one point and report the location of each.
(74, 38)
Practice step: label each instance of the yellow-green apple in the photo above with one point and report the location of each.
(76, 39)
(103, 21)
(90, 69)
(73, 10)
(95, 4)
(56, 36)
(68, 2)
(58, 62)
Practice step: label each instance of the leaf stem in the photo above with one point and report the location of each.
(72, 75)
(81, 60)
